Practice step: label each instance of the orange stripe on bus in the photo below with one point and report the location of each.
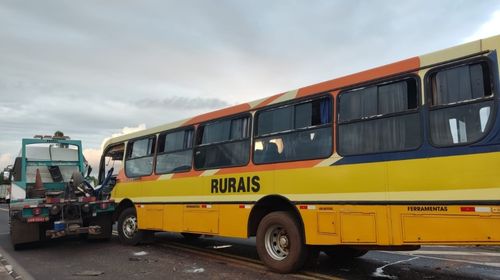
(219, 113)
(267, 167)
(368, 75)
(150, 178)
(192, 173)
(121, 175)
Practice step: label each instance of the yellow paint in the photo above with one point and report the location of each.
(201, 220)
(173, 217)
(327, 222)
(150, 216)
(233, 220)
(351, 225)
(447, 227)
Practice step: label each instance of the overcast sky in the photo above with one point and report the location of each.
(97, 68)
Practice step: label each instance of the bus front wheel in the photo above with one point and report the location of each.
(128, 230)
(280, 243)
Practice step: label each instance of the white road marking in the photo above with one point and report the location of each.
(379, 272)
(3, 209)
(493, 264)
(456, 253)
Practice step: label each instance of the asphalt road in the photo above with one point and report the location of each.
(172, 257)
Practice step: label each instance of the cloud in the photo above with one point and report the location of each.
(487, 29)
(125, 130)
(5, 159)
(93, 155)
(178, 102)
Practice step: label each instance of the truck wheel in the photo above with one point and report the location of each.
(343, 253)
(128, 230)
(280, 243)
(22, 235)
(105, 221)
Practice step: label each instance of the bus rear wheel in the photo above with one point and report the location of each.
(343, 253)
(280, 243)
(128, 230)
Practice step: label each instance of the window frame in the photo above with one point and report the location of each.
(231, 117)
(102, 162)
(289, 103)
(382, 82)
(153, 154)
(485, 60)
(193, 128)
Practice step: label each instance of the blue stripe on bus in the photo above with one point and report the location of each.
(491, 143)
(417, 154)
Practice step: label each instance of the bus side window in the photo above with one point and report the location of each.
(460, 104)
(379, 118)
(223, 143)
(295, 132)
(139, 157)
(175, 151)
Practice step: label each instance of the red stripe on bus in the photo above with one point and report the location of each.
(468, 209)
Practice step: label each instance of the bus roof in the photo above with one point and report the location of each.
(409, 65)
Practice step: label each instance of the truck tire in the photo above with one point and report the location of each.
(105, 221)
(280, 242)
(23, 234)
(128, 230)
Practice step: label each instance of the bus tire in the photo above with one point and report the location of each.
(128, 230)
(344, 253)
(190, 236)
(280, 242)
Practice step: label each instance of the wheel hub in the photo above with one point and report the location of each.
(277, 242)
(129, 227)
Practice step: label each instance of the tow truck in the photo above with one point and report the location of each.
(51, 198)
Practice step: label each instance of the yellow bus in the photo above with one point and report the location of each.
(391, 158)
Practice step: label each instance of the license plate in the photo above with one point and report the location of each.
(37, 219)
